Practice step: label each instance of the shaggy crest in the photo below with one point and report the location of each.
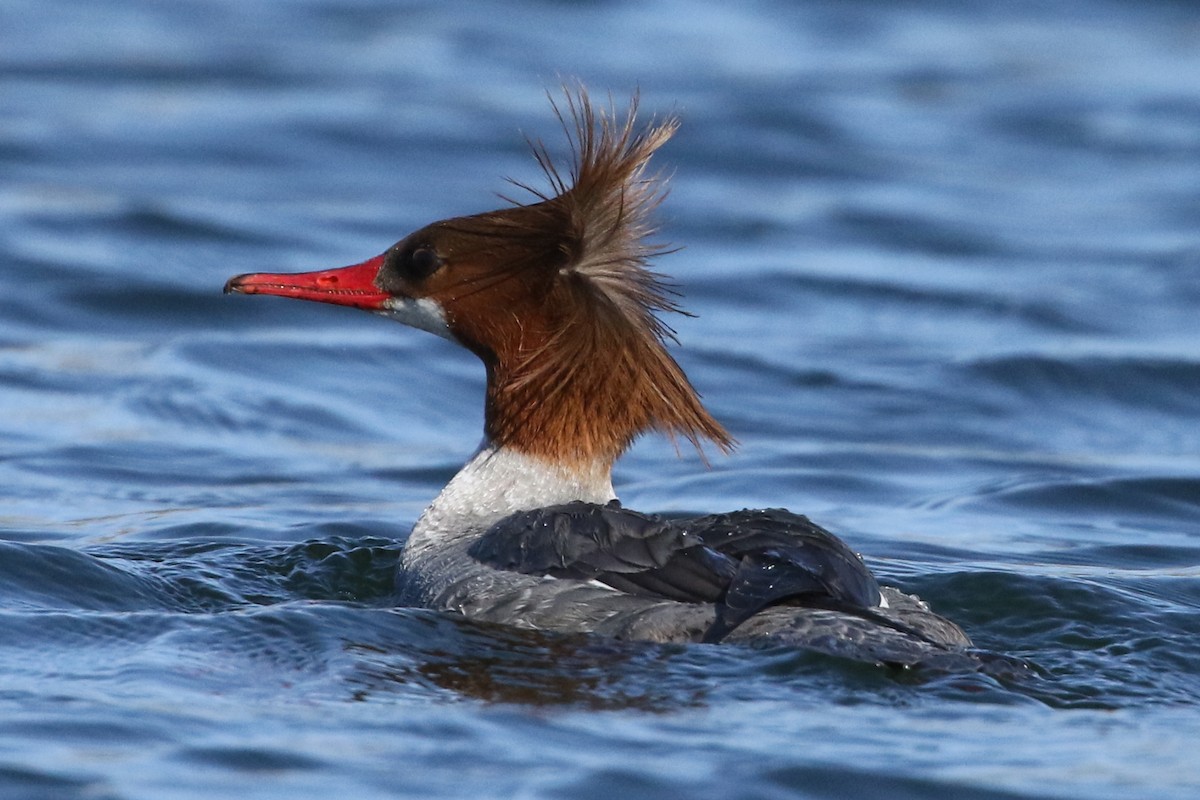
(603, 359)
(608, 201)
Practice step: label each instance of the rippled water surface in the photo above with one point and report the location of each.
(946, 266)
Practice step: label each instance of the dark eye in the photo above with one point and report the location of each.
(420, 263)
(409, 262)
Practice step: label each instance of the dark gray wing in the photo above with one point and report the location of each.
(783, 558)
(636, 553)
(742, 562)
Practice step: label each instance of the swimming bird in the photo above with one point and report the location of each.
(558, 299)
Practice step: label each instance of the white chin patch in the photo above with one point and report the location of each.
(424, 314)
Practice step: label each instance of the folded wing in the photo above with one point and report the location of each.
(742, 561)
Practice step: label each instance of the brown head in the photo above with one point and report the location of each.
(555, 297)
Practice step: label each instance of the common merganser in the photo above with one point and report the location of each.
(557, 299)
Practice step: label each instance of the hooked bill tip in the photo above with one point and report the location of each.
(255, 283)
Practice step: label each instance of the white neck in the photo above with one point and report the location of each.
(497, 482)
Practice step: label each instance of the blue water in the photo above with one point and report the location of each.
(946, 266)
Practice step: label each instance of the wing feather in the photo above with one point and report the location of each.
(742, 562)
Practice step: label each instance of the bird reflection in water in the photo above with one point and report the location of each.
(497, 664)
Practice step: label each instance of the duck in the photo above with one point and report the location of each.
(559, 298)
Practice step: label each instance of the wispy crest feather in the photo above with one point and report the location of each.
(609, 199)
(606, 355)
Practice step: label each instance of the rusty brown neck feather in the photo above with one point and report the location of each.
(575, 383)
